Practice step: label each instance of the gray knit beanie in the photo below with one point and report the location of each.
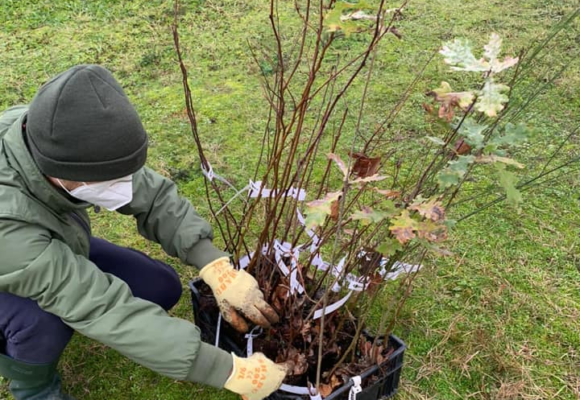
(82, 127)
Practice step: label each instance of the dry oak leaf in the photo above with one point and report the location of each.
(334, 209)
(449, 100)
(364, 165)
(461, 147)
(431, 209)
(296, 360)
(325, 390)
(403, 227)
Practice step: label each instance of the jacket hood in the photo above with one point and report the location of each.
(32, 179)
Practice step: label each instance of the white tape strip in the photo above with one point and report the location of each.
(295, 389)
(256, 188)
(333, 307)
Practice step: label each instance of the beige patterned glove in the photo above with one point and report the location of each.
(237, 292)
(255, 377)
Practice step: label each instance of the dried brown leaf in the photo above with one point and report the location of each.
(461, 147)
(325, 390)
(334, 209)
(364, 165)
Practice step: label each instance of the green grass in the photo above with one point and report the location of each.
(498, 320)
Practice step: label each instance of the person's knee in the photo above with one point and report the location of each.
(41, 340)
(170, 289)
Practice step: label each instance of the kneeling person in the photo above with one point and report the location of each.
(80, 143)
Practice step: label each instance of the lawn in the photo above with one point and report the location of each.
(500, 319)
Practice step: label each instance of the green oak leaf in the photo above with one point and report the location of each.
(471, 132)
(508, 181)
(454, 171)
(367, 216)
(318, 210)
(389, 247)
(458, 54)
(491, 99)
(513, 135)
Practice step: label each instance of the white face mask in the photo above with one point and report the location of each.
(108, 194)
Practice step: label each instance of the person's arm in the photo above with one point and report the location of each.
(101, 306)
(166, 218)
(170, 220)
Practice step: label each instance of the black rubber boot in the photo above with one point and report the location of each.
(32, 381)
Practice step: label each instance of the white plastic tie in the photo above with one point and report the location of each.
(218, 330)
(355, 388)
(208, 173)
(254, 333)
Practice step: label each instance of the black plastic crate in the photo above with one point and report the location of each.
(383, 388)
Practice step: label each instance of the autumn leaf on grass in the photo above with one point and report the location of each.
(365, 166)
(318, 209)
(455, 170)
(458, 54)
(492, 158)
(403, 226)
(431, 231)
(449, 100)
(508, 181)
(367, 216)
(431, 209)
(337, 20)
(491, 98)
(336, 158)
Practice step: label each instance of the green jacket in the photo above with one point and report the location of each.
(44, 243)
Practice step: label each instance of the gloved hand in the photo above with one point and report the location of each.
(236, 292)
(255, 377)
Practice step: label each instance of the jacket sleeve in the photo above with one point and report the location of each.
(101, 306)
(170, 220)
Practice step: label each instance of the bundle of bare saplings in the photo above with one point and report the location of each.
(344, 197)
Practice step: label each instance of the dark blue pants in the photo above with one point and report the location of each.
(34, 336)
